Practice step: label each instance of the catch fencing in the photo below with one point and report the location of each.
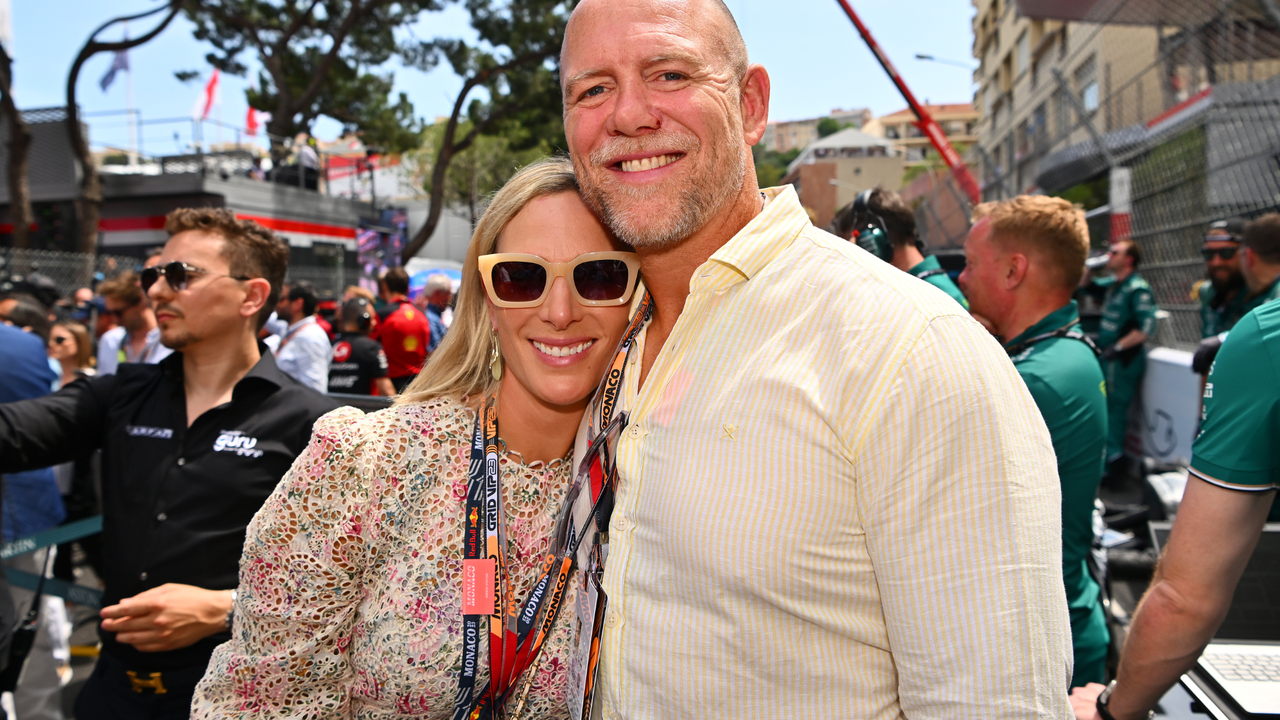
(1158, 118)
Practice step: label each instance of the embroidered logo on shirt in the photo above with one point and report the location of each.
(238, 443)
(410, 343)
(341, 351)
(150, 432)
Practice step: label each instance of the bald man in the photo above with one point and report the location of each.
(835, 497)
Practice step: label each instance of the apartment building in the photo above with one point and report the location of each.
(1036, 76)
(958, 121)
(792, 134)
(830, 172)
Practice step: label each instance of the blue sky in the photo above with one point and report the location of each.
(814, 56)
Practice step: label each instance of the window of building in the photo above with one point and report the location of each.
(891, 132)
(1062, 113)
(1024, 52)
(1062, 43)
(1022, 139)
(1037, 127)
(1086, 77)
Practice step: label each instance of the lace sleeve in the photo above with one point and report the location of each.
(300, 586)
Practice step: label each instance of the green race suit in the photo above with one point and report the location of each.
(936, 276)
(1239, 442)
(1128, 306)
(1066, 382)
(1217, 315)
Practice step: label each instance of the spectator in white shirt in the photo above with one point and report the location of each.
(137, 339)
(304, 348)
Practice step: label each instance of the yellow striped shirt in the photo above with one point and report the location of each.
(837, 500)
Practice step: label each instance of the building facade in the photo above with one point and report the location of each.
(830, 172)
(788, 135)
(958, 121)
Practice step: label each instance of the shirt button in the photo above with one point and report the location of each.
(612, 619)
(143, 577)
(621, 522)
(635, 431)
(162, 517)
(182, 461)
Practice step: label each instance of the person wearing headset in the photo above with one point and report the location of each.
(879, 222)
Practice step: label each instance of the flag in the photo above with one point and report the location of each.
(254, 120)
(207, 99)
(120, 62)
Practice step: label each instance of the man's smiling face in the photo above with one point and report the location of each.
(652, 115)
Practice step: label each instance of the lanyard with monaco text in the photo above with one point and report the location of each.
(601, 466)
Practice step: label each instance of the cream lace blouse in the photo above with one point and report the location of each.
(349, 603)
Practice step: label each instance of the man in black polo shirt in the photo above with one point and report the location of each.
(358, 365)
(191, 448)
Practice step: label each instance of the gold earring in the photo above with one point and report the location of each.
(495, 358)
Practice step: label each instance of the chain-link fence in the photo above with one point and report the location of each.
(70, 271)
(67, 271)
(1158, 118)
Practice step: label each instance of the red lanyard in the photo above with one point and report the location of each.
(513, 645)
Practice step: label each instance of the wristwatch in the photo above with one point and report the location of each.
(231, 616)
(1101, 705)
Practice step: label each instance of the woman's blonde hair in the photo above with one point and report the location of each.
(459, 366)
(84, 346)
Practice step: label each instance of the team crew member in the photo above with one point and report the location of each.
(1231, 491)
(137, 338)
(1222, 294)
(359, 365)
(1128, 320)
(191, 448)
(882, 224)
(304, 349)
(1025, 257)
(403, 330)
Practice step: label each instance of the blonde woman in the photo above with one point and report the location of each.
(351, 594)
(69, 344)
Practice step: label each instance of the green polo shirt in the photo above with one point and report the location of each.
(1128, 306)
(939, 279)
(1216, 315)
(1066, 382)
(1239, 442)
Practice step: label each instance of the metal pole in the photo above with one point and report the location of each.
(924, 120)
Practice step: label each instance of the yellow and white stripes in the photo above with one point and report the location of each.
(837, 500)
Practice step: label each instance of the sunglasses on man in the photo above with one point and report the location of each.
(118, 313)
(1224, 253)
(177, 274)
(517, 280)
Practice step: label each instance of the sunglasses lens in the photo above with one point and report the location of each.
(149, 277)
(519, 281)
(176, 275)
(601, 279)
(1224, 253)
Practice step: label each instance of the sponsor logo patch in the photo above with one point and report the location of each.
(238, 443)
(149, 432)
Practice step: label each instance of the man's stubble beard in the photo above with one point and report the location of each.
(701, 198)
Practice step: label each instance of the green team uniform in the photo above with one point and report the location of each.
(1239, 442)
(930, 270)
(1128, 306)
(1217, 315)
(1066, 382)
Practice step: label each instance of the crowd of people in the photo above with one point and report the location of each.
(679, 453)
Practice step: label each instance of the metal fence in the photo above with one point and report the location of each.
(1176, 102)
(70, 271)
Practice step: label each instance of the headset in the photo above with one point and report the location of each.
(357, 310)
(874, 235)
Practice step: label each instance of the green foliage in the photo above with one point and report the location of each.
(477, 172)
(1089, 194)
(831, 126)
(771, 166)
(317, 59)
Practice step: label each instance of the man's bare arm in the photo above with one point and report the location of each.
(168, 617)
(1212, 539)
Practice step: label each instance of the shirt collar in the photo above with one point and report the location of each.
(263, 371)
(295, 326)
(1059, 318)
(925, 265)
(757, 244)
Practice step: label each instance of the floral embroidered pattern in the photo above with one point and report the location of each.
(349, 603)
